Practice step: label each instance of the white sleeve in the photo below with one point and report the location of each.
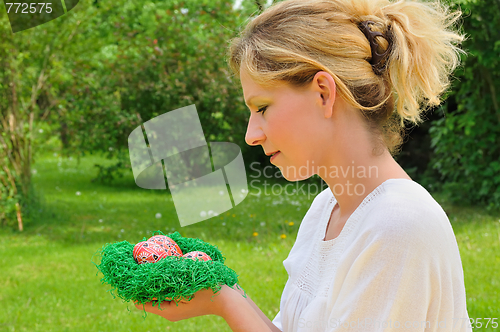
(407, 277)
(277, 321)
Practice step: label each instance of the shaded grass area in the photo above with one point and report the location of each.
(49, 282)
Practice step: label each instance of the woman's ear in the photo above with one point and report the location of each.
(325, 84)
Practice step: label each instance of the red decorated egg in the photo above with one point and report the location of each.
(171, 248)
(194, 255)
(148, 252)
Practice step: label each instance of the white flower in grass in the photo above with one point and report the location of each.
(40, 131)
(263, 224)
(78, 193)
(223, 224)
(100, 220)
(184, 10)
(158, 215)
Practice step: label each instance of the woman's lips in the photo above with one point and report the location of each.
(274, 155)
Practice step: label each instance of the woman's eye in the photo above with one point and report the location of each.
(262, 109)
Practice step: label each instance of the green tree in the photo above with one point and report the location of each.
(29, 62)
(466, 141)
(103, 69)
(154, 57)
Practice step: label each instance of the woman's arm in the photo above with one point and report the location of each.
(259, 312)
(241, 314)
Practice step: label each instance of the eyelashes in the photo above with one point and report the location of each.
(262, 109)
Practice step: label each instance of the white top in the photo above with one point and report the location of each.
(395, 266)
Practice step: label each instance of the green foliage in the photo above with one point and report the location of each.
(16, 208)
(25, 64)
(8, 200)
(107, 173)
(140, 60)
(104, 68)
(466, 141)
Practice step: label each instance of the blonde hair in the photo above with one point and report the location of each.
(294, 39)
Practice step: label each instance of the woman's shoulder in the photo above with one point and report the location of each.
(406, 212)
(408, 200)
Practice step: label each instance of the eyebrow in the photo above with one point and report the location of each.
(252, 97)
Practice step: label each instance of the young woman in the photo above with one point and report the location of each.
(329, 85)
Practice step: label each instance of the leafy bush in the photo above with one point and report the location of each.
(466, 141)
(147, 59)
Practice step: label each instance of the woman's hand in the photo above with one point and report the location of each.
(227, 303)
(204, 302)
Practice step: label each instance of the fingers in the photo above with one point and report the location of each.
(145, 306)
(238, 288)
(140, 306)
(153, 306)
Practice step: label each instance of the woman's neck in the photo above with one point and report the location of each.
(352, 182)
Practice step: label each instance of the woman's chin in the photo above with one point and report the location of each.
(293, 177)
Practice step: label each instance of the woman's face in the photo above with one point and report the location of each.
(290, 121)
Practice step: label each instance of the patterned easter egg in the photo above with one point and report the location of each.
(170, 246)
(139, 245)
(148, 252)
(194, 255)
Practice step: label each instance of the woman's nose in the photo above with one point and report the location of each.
(254, 135)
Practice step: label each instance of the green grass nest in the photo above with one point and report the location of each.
(171, 278)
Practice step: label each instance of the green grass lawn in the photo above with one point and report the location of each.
(49, 283)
